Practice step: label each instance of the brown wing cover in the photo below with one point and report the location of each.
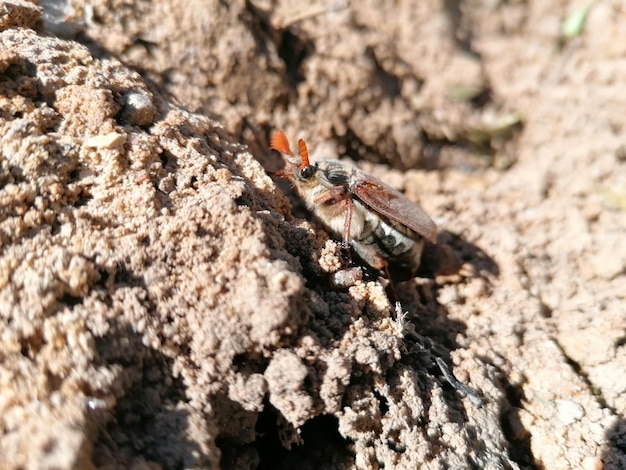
(392, 204)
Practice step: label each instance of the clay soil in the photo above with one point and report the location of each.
(166, 302)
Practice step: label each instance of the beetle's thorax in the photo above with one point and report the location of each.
(330, 175)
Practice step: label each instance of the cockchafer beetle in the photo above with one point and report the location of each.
(386, 229)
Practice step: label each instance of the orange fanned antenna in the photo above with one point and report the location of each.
(280, 143)
(304, 154)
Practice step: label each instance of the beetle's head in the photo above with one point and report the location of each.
(299, 168)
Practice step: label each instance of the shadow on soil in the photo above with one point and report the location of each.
(145, 424)
(614, 455)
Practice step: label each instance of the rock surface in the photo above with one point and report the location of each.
(166, 304)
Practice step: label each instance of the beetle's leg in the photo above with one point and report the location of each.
(347, 223)
(340, 197)
(333, 195)
(371, 257)
(378, 262)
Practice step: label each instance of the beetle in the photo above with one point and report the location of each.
(386, 229)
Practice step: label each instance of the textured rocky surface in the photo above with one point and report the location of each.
(166, 304)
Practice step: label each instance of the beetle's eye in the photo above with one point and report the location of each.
(307, 172)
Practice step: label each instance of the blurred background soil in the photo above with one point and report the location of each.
(166, 303)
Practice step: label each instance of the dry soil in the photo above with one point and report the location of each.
(167, 303)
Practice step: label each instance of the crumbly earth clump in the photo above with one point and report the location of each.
(166, 303)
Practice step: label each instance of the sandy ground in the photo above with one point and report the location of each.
(166, 303)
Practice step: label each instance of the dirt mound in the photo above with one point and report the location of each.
(167, 304)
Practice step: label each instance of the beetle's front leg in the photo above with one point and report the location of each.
(334, 195)
(341, 199)
(371, 257)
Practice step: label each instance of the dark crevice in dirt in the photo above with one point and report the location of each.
(236, 457)
(390, 84)
(54, 381)
(71, 300)
(126, 277)
(82, 199)
(516, 434)
(520, 450)
(249, 362)
(482, 98)
(322, 446)
(19, 71)
(514, 394)
(258, 23)
(292, 46)
(293, 50)
(382, 401)
(32, 344)
(103, 276)
(544, 310)
(267, 443)
(462, 34)
(168, 160)
(597, 393)
(74, 174)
